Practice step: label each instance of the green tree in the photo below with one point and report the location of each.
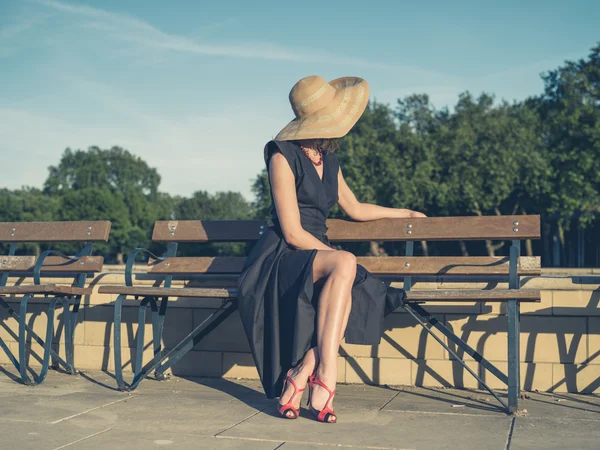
(261, 189)
(109, 185)
(220, 206)
(570, 111)
(27, 205)
(491, 155)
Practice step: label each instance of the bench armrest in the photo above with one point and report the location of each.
(131, 260)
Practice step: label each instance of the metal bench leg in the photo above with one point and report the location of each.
(71, 310)
(117, 342)
(158, 316)
(158, 320)
(513, 355)
(139, 354)
(47, 344)
(514, 330)
(23, 339)
(33, 335)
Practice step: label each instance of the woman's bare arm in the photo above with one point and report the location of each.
(364, 211)
(286, 204)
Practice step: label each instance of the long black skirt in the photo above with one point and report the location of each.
(278, 302)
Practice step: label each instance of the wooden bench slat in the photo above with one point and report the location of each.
(387, 265)
(431, 228)
(44, 289)
(200, 265)
(51, 264)
(436, 229)
(469, 295)
(207, 230)
(88, 231)
(448, 265)
(169, 292)
(496, 295)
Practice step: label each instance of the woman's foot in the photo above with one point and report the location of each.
(299, 375)
(322, 391)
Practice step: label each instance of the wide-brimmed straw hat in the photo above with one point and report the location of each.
(325, 110)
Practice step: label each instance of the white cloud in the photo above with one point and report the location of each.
(133, 30)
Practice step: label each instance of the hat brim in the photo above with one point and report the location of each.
(334, 120)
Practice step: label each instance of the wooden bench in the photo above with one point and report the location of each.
(74, 269)
(164, 268)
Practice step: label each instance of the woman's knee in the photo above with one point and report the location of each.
(345, 264)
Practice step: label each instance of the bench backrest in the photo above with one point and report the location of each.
(427, 229)
(514, 228)
(52, 262)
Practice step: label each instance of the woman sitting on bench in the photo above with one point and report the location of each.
(298, 297)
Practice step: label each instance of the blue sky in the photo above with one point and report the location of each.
(196, 88)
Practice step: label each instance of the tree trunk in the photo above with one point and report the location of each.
(491, 248)
(463, 248)
(528, 244)
(561, 235)
(425, 248)
(120, 259)
(528, 247)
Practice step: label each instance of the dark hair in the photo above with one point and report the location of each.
(322, 145)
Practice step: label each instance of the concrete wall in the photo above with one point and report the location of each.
(560, 339)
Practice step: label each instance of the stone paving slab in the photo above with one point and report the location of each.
(380, 429)
(566, 406)
(171, 414)
(555, 433)
(53, 409)
(144, 440)
(353, 397)
(427, 400)
(36, 435)
(87, 412)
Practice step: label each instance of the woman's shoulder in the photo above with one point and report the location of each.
(286, 148)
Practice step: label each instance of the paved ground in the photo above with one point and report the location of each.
(86, 412)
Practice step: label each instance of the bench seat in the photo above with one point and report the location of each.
(45, 289)
(463, 295)
(169, 292)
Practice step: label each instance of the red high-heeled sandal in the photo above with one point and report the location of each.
(288, 407)
(326, 413)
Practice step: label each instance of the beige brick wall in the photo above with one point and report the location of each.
(560, 339)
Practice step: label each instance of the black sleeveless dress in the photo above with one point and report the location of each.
(277, 297)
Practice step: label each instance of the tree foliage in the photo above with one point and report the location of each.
(219, 206)
(539, 156)
(482, 157)
(570, 113)
(110, 185)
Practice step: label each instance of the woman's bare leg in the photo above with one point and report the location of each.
(334, 307)
(335, 301)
